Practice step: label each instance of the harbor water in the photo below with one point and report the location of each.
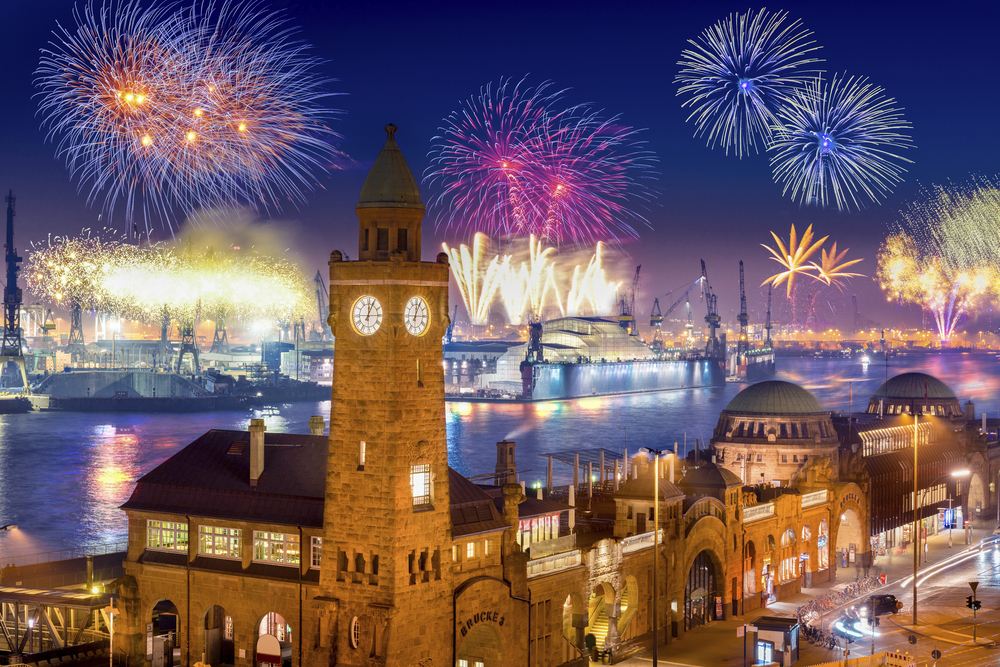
(64, 475)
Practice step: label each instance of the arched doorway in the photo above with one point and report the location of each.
(749, 570)
(699, 592)
(598, 621)
(219, 645)
(849, 539)
(163, 633)
(277, 650)
(628, 606)
(482, 647)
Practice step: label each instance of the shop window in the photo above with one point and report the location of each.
(765, 653)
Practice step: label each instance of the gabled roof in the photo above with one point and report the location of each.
(472, 509)
(205, 480)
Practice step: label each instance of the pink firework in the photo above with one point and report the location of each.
(514, 162)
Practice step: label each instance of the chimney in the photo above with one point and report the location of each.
(506, 469)
(257, 429)
(316, 425)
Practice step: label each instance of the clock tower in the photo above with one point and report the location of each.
(384, 597)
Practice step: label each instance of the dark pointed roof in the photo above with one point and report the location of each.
(390, 183)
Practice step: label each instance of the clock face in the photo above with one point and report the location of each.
(416, 316)
(367, 315)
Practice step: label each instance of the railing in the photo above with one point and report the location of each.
(544, 548)
(814, 498)
(886, 659)
(550, 564)
(63, 554)
(639, 542)
(757, 512)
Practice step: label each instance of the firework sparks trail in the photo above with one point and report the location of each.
(138, 282)
(530, 288)
(739, 72)
(477, 285)
(167, 109)
(944, 255)
(509, 163)
(835, 143)
(794, 259)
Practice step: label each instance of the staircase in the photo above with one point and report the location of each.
(598, 625)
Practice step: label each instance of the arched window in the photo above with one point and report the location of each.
(806, 533)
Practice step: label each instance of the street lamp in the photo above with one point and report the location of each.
(656, 544)
(9, 526)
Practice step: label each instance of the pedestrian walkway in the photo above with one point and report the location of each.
(717, 644)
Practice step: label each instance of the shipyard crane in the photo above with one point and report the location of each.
(656, 321)
(712, 350)
(767, 326)
(744, 344)
(12, 347)
(626, 307)
(321, 306)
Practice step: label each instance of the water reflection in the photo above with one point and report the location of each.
(64, 475)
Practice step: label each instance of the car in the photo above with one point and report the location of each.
(881, 604)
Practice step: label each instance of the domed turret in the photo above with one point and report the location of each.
(389, 210)
(910, 393)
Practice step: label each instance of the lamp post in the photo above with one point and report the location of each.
(656, 545)
(9, 526)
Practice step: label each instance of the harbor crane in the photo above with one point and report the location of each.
(12, 348)
(321, 306)
(744, 344)
(626, 307)
(767, 325)
(656, 321)
(712, 348)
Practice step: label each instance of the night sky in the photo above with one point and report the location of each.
(411, 64)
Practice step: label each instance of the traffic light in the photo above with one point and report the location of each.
(968, 601)
(976, 604)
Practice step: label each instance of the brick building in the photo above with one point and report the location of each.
(366, 548)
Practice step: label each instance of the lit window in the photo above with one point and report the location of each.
(454, 553)
(361, 456)
(275, 548)
(315, 552)
(470, 550)
(420, 484)
(487, 547)
(166, 535)
(463, 663)
(355, 632)
(218, 541)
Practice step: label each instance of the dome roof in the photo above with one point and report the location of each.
(390, 183)
(709, 475)
(775, 397)
(642, 487)
(915, 385)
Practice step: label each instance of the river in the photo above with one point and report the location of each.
(64, 475)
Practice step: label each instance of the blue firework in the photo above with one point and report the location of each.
(838, 141)
(739, 72)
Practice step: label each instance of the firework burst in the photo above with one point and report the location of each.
(835, 143)
(739, 72)
(514, 162)
(944, 255)
(166, 109)
(139, 282)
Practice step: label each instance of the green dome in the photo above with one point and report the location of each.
(915, 385)
(775, 397)
(390, 183)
